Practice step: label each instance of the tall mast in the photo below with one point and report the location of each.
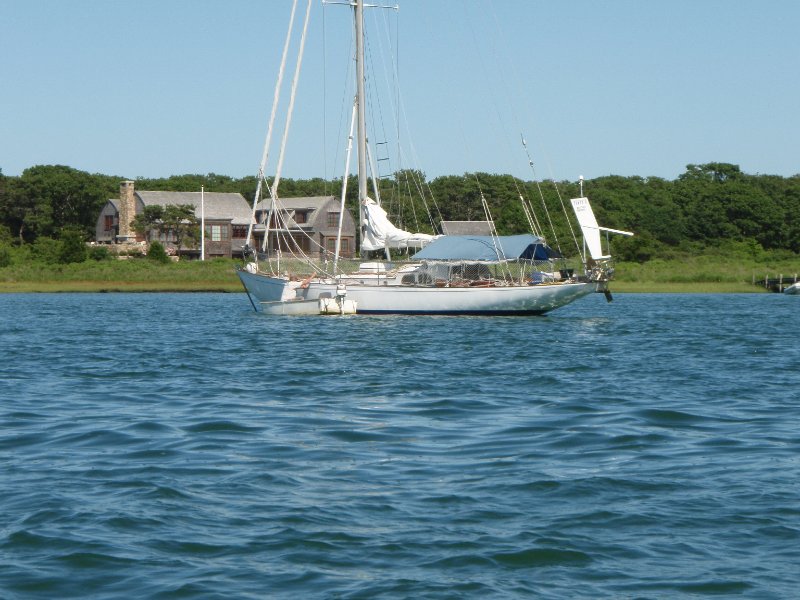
(361, 132)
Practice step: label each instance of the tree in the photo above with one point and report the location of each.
(148, 221)
(180, 221)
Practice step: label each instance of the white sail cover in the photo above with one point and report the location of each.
(591, 230)
(588, 222)
(381, 233)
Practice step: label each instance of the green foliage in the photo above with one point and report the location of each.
(45, 250)
(5, 255)
(99, 253)
(180, 222)
(157, 253)
(73, 247)
(150, 220)
(710, 207)
(44, 199)
(175, 222)
(639, 248)
(5, 235)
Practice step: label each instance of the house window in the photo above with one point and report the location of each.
(240, 231)
(344, 247)
(217, 233)
(109, 222)
(333, 219)
(300, 217)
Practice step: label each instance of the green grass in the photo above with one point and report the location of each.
(693, 274)
(135, 275)
(701, 274)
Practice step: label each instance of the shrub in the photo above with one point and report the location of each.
(73, 248)
(99, 253)
(45, 250)
(157, 253)
(5, 256)
(5, 235)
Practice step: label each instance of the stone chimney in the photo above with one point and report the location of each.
(127, 211)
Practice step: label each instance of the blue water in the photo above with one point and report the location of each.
(181, 446)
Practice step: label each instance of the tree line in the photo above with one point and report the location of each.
(713, 205)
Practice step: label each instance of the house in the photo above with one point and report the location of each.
(309, 225)
(312, 222)
(227, 216)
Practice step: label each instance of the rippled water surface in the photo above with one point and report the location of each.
(181, 446)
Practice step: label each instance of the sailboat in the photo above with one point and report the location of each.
(447, 275)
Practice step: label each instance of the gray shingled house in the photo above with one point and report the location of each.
(311, 222)
(227, 216)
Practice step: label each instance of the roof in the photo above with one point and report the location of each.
(308, 203)
(467, 227)
(217, 205)
(486, 248)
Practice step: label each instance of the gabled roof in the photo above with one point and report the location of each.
(218, 205)
(307, 203)
(467, 227)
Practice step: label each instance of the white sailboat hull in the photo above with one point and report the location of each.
(371, 298)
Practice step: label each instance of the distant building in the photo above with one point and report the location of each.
(467, 227)
(311, 222)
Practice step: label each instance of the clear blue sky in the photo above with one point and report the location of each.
(154, 88)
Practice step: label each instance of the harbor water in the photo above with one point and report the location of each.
(183, 446)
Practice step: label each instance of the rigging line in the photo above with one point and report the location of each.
(325, 98)
(268, 141)
(544, 206)
(528, 203)
(502, 77)
(400, 120)
(343, 194)
(273, 189)
(290, 240)
(488, 75)
(563, 208)
(347, 92)
(498, 248)
(281, 156)
(515, 116)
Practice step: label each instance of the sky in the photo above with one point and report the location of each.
(155, 88)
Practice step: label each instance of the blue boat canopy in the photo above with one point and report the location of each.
(486, 248)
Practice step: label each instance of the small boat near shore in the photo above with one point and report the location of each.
(792, 290)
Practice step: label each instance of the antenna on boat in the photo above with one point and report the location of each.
(580, 178)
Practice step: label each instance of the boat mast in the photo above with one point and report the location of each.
(361, 132)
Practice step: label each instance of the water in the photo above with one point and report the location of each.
(181, 446)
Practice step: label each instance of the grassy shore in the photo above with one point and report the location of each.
(137, 275)
(691, 275)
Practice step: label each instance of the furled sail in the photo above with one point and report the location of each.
(591, 230)
(381, 233)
